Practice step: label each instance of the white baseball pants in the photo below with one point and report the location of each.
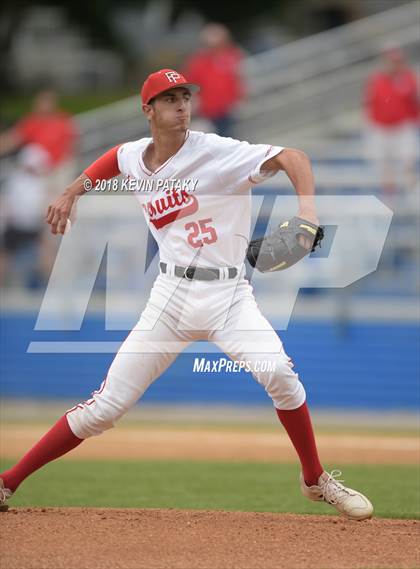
(177, 313)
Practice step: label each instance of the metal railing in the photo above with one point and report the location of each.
(305, 83)
(300, 83)
(372, 30)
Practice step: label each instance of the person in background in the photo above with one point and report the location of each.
(56, 132)
(216, 68)
(51, 128)
(391, 102)
(23, 200)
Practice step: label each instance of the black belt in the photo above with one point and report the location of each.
(199, 273)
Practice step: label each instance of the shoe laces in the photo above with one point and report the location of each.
(332, 488)
(5, 493)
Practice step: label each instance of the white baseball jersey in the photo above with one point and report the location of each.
(198, 203)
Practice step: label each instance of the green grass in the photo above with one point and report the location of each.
(394, 490)
(14, 107)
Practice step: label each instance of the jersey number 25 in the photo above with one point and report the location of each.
(200, 233)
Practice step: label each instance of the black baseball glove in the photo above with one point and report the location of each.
(287, 245)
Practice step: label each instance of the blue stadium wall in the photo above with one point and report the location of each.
(360, 366)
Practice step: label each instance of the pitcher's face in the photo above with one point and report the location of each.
(171, 110)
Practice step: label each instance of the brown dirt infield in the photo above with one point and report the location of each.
(212, 444)
(90, 538)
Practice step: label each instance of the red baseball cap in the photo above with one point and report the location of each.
(163, 80)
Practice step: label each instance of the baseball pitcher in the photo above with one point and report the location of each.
(199, 212)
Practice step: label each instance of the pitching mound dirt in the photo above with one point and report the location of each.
(90, 538)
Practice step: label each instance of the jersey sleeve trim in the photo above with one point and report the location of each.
(105, 167)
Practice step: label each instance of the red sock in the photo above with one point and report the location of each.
(59, 440)
(297, 423)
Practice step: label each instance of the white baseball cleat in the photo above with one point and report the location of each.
(347, 501)
(5, 494)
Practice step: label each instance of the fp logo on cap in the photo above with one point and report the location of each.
(173, 76)
(163, 80)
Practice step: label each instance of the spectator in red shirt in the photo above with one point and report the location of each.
(392, 113)
(216, 68)
(56, 133)
(48, 126)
